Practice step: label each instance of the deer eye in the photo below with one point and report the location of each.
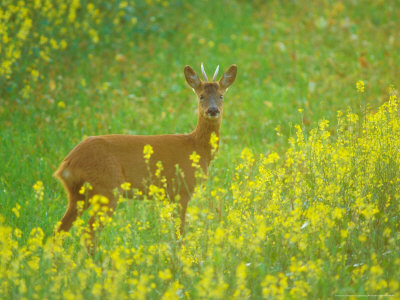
(201, 97)
(221, 97)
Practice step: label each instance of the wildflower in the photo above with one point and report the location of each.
(242, 292)
(39, 190)
(97, 289)
(278, 130)
(272, 158)
(16, 210)
(159, 169)
(123, 4)
(38, 186)
(362, 238)
(17, 233)
(157, 192)
(147, 151)
(61, 104)
(94, 35)
(195, 158)
(126, 186)
(214, 142)
(98, 203)
(173, 291)
(352, 118)
(63, 44)
(219, 235)
(85, 188)
(323, 124)
(33, 263)
(274, 286)
(35, 75)
(360, 86)
(165, 275)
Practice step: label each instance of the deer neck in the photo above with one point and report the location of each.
(202, 134)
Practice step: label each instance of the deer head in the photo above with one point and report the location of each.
(210, 94)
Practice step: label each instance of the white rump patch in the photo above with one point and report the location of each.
(66, 174)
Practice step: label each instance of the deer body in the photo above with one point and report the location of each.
(107, 161)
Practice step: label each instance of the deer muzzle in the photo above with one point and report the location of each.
(213, 112)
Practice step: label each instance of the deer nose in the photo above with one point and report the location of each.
(213, 111)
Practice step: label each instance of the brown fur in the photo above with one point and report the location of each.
(107, 161)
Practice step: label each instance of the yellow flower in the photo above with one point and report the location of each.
(33, 263)
(39, 190)
(123, 4)
(165, 275)
(16, 209)
(360, 86)
(362, 238)
(278, 130)
(157, 192)
(159, 169)
(173, 291)
(242, 292)
(147, 151)
(96, 289)
(195, 158)
(35, 75)
(38, 186)
(219, 235)
(272, 158)
(214, 141)
(85, 188)
(126, 186)
(17, 233)
(94, 35)
(63, 44)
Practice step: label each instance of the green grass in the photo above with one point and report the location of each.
(290, 55)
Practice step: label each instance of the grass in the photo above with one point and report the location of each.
(290, 56)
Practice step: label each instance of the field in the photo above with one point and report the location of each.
(302, 200)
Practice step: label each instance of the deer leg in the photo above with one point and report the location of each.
(72, 211)
(69, 217)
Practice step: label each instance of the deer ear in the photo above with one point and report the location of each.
(192, 78)
(228, 78)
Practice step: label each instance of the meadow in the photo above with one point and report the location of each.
(302, 200)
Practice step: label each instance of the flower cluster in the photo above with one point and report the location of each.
(316, 221)
(36, 33)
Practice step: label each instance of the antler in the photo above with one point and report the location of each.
(204, 72)
(216, 73)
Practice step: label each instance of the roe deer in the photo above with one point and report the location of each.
(107, 161)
